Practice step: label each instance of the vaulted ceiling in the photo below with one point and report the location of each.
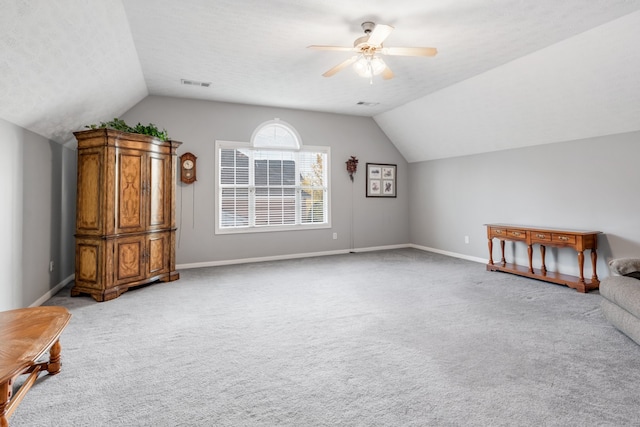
(508, 73)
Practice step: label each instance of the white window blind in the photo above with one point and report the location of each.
(269, 189)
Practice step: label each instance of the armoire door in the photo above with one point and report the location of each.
(129, 259)
(130, 191)
(158, 259)
(159, 189)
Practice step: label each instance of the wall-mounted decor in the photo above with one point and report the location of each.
(352, 166)
(381, 180)
(188, 168)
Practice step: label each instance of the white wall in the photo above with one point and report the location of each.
(589, 184)
(198, 124)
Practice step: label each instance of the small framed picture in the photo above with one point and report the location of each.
(381, 180)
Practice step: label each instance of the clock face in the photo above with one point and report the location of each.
(188, 164)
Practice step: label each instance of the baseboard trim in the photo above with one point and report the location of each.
(451, 254)
(53, 291)
(381, 248)
(284, 257)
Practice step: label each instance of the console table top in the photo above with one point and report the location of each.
(26, 334)
(547, 229)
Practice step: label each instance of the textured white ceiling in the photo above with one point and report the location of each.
(254, 51)
(72, 62)
(66, 64)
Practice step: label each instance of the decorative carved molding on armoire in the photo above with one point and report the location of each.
(125, 212)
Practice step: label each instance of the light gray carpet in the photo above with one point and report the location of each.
(390, 338)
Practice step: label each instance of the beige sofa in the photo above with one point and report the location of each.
(621, 296)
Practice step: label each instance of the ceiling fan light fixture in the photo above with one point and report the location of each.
(367, 62)
(369, 66)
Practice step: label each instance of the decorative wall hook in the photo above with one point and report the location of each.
(352, 166)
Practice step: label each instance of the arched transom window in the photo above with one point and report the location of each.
(276, 134)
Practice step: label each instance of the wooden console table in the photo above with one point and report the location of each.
(26, 335)
(576, 239)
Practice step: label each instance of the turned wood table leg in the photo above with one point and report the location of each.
(530, 253)
(581, 265)
(543, 268)
(491, 251)
(503, 260)
(5, 395)
(54, 365)
(594, 260)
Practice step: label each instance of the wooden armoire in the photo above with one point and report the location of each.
(125, 212)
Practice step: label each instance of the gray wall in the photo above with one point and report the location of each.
(198, 124)
(587, 184)
(590, 184)
(38, 216)
(11, 137)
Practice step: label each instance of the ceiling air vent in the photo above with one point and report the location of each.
(368, 104)
(194, 83)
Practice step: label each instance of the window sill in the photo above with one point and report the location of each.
(273, 228)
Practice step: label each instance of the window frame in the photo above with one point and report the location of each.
(252, 228)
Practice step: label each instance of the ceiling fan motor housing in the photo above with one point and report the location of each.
(362, 42)
(368, 26)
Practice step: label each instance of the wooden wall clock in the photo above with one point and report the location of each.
(188, 168)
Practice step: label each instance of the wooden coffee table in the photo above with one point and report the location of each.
(26, 334)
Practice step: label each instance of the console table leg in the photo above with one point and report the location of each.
(503, 260)
(581, 265)
(491, 251)
(594, 260)
(53, 367)
(530, 253)
(5, 394)
(543, 268)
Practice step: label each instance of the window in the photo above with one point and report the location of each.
(262, 188)
(275, 134)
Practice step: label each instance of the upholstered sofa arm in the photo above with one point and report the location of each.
(625, 267)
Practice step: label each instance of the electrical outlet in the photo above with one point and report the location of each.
(466, 239)
(335, 236)
(51, 266)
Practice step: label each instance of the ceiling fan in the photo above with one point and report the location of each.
(367, 62)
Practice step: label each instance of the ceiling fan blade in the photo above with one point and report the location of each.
(409, 51)
(387, 74)
(340, 66)
(338, 48)
(379, 34)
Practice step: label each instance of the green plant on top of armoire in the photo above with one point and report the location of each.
(119, 124)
